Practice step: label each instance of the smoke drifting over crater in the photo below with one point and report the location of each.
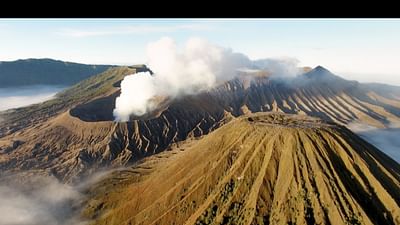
(197, 67)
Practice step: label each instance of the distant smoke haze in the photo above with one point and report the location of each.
(198, 67)
(26, 95)
(283, 67)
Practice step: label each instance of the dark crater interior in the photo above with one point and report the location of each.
(100, 109)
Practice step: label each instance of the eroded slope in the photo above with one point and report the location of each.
(257, 169)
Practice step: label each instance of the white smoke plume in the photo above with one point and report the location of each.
(198, 67)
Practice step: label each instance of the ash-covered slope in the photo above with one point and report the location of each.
(264, 168)
(75, 132)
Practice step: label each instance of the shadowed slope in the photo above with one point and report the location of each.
(257, 169)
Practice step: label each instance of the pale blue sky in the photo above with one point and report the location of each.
(365, 50)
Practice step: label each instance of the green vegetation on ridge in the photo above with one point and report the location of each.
(45, 72)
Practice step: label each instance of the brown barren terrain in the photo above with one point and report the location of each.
(264, 168)
(75, 133)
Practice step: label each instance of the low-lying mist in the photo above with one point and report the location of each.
(28, 199)
(44, 202)
(198, 66)
(15, 97)
(387, 139)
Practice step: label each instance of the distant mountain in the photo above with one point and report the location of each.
(262, 168)
(45, 72)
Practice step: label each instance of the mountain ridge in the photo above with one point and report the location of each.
(81, 134)
(45, 71)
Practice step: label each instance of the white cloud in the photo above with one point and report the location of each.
(133, 29)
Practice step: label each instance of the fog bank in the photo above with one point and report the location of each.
(44, 202)
(27, 95)
(386, 140)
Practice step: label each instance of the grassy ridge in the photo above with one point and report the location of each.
(45, 72)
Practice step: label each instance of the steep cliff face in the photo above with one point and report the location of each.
(75, 133)
(264, 168)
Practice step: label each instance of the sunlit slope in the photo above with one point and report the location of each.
(257, 169)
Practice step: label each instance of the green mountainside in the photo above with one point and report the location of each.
(45, 72)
